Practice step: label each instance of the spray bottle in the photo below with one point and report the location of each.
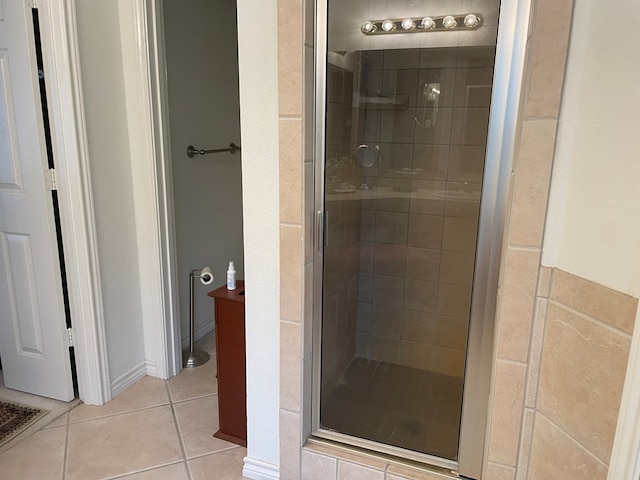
(231, 277)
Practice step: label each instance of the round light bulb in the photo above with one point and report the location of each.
(449, 22)
(471, 20)
(408, 24)
(367, 27)
(428, 23)
(388, 25)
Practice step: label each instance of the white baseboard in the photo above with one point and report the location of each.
(151, 368)
(124, 381)
(260, 470)
(200, 331)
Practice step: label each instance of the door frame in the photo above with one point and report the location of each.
(145, 83)
(509, 68)
(66, 112)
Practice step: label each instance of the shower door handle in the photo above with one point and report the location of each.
(322, 235)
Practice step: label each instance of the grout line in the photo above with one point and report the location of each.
(176, 402)
(178, 431)
(570, 437)
(109, 415)
(66, 446)
(149, 469)
(589, 318)
(208, 454)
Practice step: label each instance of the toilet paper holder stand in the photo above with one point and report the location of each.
(194, 358)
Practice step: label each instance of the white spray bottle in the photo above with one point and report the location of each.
(231, 277)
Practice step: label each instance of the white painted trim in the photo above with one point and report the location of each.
(625, 457)
(259, 470)
(152, 199)
(127, 379)
(151, 368)
(64, 92)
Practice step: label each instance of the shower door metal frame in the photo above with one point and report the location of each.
(513, 29)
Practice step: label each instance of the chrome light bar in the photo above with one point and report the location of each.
(451, 23)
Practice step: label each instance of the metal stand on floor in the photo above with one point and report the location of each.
(194, 358)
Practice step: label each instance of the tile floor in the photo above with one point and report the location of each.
(155, 430)
(397, 405)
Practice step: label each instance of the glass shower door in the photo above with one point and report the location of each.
(406, 133)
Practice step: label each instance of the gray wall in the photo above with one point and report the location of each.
(202, 69)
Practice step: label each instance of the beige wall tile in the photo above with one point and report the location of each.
(581, 378)
(456, 267)
(352, 471)
(525, 444)
(537, 337)
(384, 348)
(421, 296)
(290, 445)
(290, 149)
(425, 231)
(346, 454)
(555, 455)
(601, 303)
(500, 472)
(531, 186)
(506, 412)
(290, 46)
(544, 281)
(454, 300)
(290, 365)
(291, 272)
(404, 472)
(459, 234)
(318, 467)
(516, 307)
(548, 55)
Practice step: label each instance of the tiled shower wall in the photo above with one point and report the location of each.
(419, 222)
(343, 242)
(525, 433)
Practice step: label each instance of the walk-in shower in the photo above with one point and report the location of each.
(405, 259)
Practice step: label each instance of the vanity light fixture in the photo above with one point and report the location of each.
(445, 23)
(388, 25)
(408, 24)
(471, 20)
(367, 27)
(449, 22)
(428, 23)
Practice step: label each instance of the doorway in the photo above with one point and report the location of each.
(200, 40)
(408, 196)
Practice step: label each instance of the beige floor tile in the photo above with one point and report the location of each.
(41, 456)
(194, 382)
(148, 392)
(177, 471)
(62, 420)
(207, 343)
(198, 421)
(225, 465)
(120, 444)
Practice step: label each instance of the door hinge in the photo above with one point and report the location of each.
(32, 3)
(50, 179)
(70, 337)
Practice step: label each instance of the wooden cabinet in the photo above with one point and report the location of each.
(230, 361)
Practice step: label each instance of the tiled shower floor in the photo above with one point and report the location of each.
(397, 405)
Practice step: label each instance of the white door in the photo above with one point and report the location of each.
(33, 349)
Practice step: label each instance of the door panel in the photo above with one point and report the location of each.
(33, 349)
